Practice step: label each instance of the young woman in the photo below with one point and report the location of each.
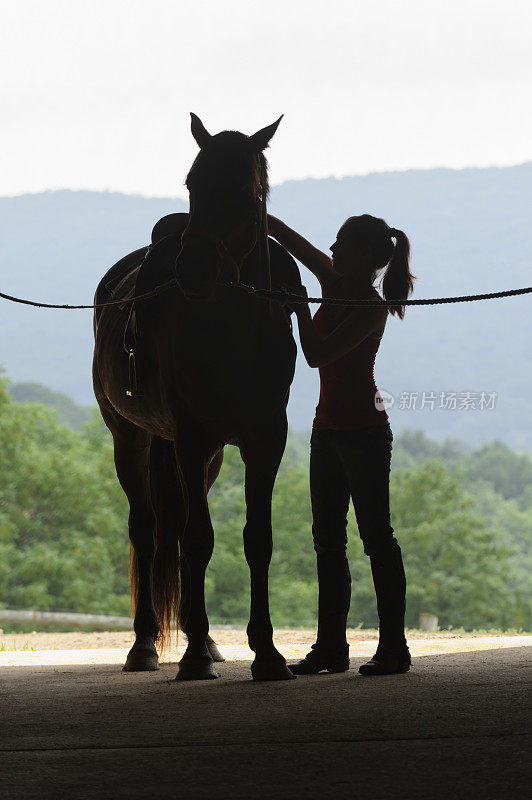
(351, 439)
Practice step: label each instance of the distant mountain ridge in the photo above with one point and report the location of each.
(68, 412)
(470, 233)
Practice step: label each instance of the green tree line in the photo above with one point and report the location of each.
(463, 519)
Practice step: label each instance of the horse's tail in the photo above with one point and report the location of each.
(169, 507)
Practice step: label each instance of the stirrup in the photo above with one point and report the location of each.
(132, 390)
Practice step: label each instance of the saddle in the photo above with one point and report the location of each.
(144, 266)
(152, 266)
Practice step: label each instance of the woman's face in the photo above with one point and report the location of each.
(345, 252)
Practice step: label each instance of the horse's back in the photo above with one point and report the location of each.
(106, 290)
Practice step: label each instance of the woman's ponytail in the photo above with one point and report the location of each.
(398, 281)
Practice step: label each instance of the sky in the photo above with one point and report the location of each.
(96, 94)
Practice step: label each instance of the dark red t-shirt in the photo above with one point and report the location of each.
(347, 385)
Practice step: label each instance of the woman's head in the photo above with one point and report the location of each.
(364, 245)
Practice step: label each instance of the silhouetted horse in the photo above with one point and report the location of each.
(180, 375)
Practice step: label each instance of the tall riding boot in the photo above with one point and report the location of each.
(331, 651)
(334, 583)
(389, 579)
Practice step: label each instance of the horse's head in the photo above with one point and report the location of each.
(228, 186)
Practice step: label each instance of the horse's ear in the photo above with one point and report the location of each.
(199, 131)
(261, 139)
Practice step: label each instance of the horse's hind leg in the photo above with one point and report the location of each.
(212, 473)
(132, 454)
(262, 451)
(213, 650)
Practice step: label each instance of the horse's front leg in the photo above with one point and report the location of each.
(196, 551)
(262, 453)
(212, 473)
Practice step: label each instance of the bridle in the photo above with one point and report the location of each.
(222, 244)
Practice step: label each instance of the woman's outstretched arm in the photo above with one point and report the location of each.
(360, 324)
(313, 259)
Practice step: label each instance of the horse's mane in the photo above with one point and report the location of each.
(231, 157)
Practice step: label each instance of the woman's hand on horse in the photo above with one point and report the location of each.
(288, 304)
(299, 308)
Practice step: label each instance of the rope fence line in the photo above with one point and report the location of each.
(282, 296)
(338, 301)
(152, 293)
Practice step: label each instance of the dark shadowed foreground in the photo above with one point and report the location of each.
(455, 726)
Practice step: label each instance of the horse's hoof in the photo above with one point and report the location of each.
(141, 661)
(273, 670)
(213, 650)
(196, 669)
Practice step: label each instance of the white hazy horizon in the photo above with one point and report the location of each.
(184, 194)
(97, 95)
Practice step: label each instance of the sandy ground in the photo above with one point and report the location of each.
(224, 635)
(112, 647)
(75, 725)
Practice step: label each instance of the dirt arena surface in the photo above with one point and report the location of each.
(228, 635)
(75, 725)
